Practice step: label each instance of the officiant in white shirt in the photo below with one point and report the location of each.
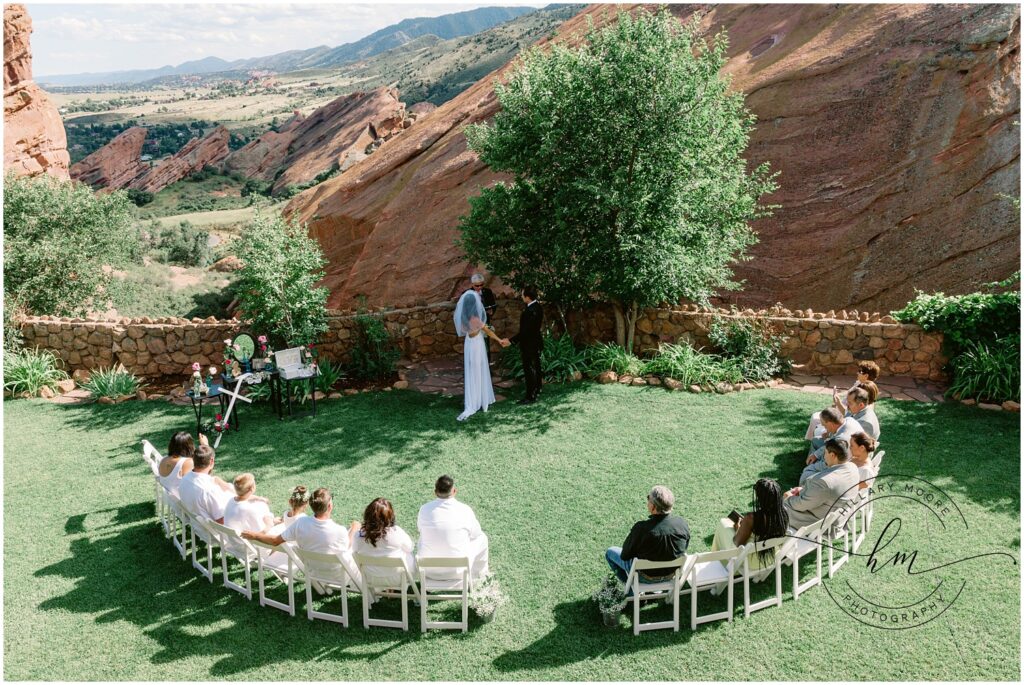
(449, 528)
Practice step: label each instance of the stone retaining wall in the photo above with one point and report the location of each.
(830, 343)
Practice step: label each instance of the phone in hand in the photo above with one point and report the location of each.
(734, 516)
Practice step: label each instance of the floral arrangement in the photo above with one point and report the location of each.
(611, 596)
(198, 386)
(219, 425)
(487, 597)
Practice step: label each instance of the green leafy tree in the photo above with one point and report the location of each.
(58, 235)
(628, 182)
(277, 291)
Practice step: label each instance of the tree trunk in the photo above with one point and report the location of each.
(620, 325)
(631, 316)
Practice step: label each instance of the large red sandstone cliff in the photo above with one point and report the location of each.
(338, 133)
(116, 164)
(892, 126)
(262, 158)
(198, 153)
(34, 137)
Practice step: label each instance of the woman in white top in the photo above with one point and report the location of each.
(380, 537)
(862, 447)
(178, 461)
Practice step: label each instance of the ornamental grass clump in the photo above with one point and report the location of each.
(29, 371)
(693, 367)
(612, 357)
(560, 360)
(113, 383)
(988, 372)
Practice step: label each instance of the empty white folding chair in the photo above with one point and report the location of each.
(859, 522)
(869, 512)
(201, 531)
(806, 540)
(281, 562)
(780, 548)
(713, 571)
(876, 460)
(180, 523)
(647, 590)
(233, 545)
(439, 589)
(152, 458)
(330, 572)
(375, 585)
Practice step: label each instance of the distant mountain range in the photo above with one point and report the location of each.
(445, 27)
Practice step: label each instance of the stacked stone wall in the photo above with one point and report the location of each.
(830, 343)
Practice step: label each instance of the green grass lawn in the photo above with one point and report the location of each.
(93, 591)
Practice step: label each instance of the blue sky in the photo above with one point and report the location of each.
(90, 37)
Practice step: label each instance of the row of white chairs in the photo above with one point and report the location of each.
(837, 535)
(326, 573)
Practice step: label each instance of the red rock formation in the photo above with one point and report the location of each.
(263, 157)
(116, 164)
(198, 153)
(338, 133)
(34, 137)
(421, 109)
(891, 125)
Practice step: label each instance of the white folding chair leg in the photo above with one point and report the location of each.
(246, 589)
(312, 613)
(206, 571)
(799, 587)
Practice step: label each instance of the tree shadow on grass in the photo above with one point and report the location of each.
(189, 617)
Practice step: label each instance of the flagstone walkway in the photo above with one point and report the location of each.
(444, 376)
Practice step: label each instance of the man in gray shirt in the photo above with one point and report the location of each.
(836, 426)
(858, 408)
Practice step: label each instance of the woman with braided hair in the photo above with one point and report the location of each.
(768, 520)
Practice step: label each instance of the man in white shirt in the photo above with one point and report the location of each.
(202, 493)
(317, 533)
(448, 528)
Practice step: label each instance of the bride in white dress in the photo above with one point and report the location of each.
(471, 324)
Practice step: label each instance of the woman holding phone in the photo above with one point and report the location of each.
(768, 520)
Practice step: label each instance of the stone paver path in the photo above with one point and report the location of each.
(894, 387)
(444, 376)
(441, 376)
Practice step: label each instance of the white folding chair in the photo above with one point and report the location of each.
(332, 573)
(442, 589)
(780, 547)
(201, 531)
(375, 585)
(647, 590)
(868, 509)
(233, 545)
(152, 458)
(836, 534)
(279, 561)
(713, 571)
(180, 523)
(806, 541)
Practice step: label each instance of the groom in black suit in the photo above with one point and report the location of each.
(530, 343)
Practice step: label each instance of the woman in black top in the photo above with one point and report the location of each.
(768, 520)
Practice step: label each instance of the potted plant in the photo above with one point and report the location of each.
(611, 599)
(487, 597)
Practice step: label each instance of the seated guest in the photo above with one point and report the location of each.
(178, 461)
(448, 528)
(872, 390)
(379, 536)
(202, 493)
(859, 408)
(298, 501)
(821, 493)
(245, 511)
(836, 426)
(317, 533)
(867, 372)
(862, 448)
(662, 536)
(768, 520)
